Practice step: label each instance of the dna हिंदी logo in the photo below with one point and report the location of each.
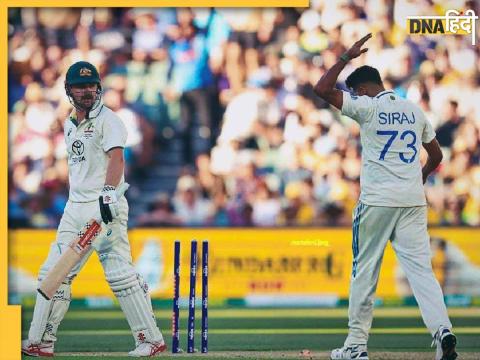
(453, 23)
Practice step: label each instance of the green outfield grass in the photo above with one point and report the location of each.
(397, 333)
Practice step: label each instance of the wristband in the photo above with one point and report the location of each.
(344, 57)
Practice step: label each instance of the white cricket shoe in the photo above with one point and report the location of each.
(147, 349)
(352, 352)
(446, 343)
(40, 349)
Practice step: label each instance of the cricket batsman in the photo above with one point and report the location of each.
(392, 204)
(95, 137)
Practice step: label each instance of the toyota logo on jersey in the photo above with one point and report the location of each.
(77, 147)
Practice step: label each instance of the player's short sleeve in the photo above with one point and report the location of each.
(359, 108)
(114, 133)
(428, 133)
(66, 130)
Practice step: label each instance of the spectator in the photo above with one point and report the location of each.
(445, 133)
(192, 81)
(160, 212)
(190, 208)
(266, 206)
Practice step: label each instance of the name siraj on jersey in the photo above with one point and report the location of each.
(395, 118)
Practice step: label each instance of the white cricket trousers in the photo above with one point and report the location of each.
(406, 228)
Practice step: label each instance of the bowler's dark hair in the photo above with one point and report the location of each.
(363, 74)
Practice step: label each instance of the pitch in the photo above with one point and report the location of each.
(397, 333)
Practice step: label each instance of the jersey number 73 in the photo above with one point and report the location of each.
(405, 136)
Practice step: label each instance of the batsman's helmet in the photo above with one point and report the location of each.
(83, 72)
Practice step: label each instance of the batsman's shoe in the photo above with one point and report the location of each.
(147, 349)
(446, 343)
(352, 352)
(40, 349)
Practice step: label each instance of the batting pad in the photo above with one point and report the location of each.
(132, 294)
(60, 304)
(39, 320)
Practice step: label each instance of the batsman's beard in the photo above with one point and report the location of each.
(94, 98)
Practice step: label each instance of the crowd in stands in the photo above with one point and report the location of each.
(235, 87)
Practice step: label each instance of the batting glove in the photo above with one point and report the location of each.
(108, 204)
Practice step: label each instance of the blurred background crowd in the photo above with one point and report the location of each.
(224, 127)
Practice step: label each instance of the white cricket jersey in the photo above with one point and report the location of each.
(392, 132)
(87, 147)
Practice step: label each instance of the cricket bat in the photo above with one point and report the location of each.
(73, 254)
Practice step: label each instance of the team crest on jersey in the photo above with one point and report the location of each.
(88, 133)
(85, 72)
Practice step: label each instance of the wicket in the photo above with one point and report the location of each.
(205, 297)
(192, 296)
(176, 290)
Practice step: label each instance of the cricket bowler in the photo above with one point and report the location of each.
(392, 204)
(95, 137)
